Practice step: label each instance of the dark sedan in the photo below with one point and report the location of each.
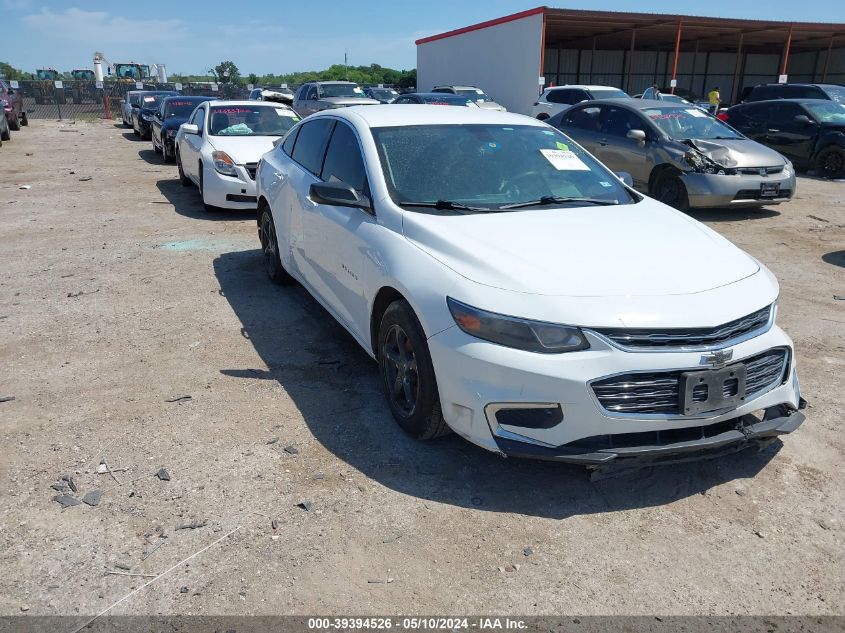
(172, 112)
(142, 116)
(809, 132)
(435, 98)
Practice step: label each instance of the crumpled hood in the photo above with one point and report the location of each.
(489, 105)
(740, 152)
(243, 149)
(644, 249)
(349, 101)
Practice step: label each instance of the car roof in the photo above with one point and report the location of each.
(583, 87)
(388, 115)
(801, 84)
(439, 95)
(340, 81)
(248, 102)
(189, 98)
(793, 100)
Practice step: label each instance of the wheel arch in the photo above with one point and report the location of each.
(384, 297)
(658, 171)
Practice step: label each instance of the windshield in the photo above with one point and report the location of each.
(378, 93)
(490, 166)
(608, 93)
(340, 90)
(179, 109)
(683, 123)
(444, 98)
(255, 120)
(827, 112)
(153, 101)
(473, 93)
(837, 93)
(674, 99)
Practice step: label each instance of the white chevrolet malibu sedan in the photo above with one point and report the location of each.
(218, 148)
(514, 290)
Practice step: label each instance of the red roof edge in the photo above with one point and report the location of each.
(483, 25)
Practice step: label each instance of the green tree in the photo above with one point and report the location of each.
(10, 72)
(227, 72)
(252, 78)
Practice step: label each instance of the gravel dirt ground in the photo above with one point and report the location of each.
(119, 294)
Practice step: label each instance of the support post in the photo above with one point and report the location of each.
(677, 52)
(737, 66)
(592, 61)
(630, 61)
(827, 59)
(786, 51)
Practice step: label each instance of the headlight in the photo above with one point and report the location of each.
(531, 336)
(223, 163)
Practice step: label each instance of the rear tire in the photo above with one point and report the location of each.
(167, 158)
(669, 189)
(407, 373)
(270, 249)
(830, 163)
(183, 179)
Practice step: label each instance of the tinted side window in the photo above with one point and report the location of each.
(618, 121)
(784, 113)
(441, 90)
(343, 159)
(290, 141)
(559, 96)
(579, 95)
(764, 93)
(199, 118)
(311, 144)
(583, 119)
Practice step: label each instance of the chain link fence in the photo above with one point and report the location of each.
(77, 99)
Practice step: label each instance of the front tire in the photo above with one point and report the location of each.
(830, 163)
(15, 125)
(24, 119)
(407, 373)
(5, 133)
(167, 158)
(669, 190)
(270, 249)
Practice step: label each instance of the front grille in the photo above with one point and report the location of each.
(688, 337)
(659, 392)
(251, 168)
(755, 171)
(754, 194)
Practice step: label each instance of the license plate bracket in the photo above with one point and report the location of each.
(712, 389)
(769, 189)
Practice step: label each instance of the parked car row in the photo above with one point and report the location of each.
(513, 284)
(13, 115)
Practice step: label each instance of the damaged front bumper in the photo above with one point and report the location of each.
(739, 190)
(670, 446)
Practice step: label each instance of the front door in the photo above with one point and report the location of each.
(617, 151)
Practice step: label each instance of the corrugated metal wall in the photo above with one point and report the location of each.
(697, 73)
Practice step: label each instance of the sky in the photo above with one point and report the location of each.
(278, 36)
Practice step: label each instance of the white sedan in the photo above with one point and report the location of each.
(219, 147)
(514, 290)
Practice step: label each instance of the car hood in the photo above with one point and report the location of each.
(832, 127)
(741, 152)
(643, 249)
(349, 101)
(243, 149)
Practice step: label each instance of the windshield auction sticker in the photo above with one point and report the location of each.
(564, 160)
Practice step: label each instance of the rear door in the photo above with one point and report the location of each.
(582, 123)
(308, 154)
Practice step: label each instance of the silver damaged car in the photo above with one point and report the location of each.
(679, 154)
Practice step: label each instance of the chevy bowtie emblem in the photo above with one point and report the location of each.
(717, 358)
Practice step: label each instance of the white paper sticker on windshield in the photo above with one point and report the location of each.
(564, 160)
(696, 112)
(288, 113)
(357, 90)
(148, 99)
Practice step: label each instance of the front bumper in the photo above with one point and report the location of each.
(474, 377)
(230, 192)
(743, 190)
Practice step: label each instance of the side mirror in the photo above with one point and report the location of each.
(338, 194)
(636, 135)
(625, 177)
(190, 128)
(802, 119)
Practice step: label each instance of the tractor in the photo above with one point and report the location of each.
(46, 91)
(84, 86)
